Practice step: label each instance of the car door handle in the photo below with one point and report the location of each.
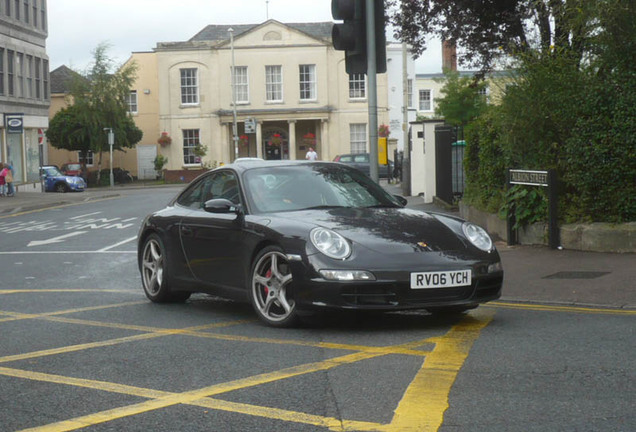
(186, 231)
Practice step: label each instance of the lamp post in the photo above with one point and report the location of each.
(234, 126)
(111, 142)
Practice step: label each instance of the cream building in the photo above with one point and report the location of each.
(288, 79)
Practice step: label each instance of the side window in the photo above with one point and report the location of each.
(361, 158)
(218, 185)
(192, 197)
(345, 159)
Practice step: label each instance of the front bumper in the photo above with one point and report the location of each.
(392, 290)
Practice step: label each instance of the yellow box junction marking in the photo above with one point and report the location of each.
(421, 409)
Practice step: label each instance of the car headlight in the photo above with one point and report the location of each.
(330, 243)
(477, 236)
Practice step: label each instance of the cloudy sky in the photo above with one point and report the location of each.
(76, 27)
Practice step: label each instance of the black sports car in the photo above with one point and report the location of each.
(301, 236)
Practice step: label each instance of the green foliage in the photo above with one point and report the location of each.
(160, 161)
(100, 100)
(484, 161)
(461, 101)
(528, 204)
(570, 104)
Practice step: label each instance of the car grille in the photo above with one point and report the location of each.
(392, 294)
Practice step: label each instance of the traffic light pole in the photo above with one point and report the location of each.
(373, 90)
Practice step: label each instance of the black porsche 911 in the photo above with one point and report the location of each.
(292, 237)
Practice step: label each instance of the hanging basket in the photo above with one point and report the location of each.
(309, 139)
(244, 140)
(164, 139)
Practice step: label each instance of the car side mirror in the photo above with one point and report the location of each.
(222, 205)
(401, 200)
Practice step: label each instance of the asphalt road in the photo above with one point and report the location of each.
(82, 348)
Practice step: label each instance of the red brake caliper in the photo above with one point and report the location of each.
(268, 275)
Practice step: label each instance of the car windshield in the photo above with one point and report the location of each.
(52, 171)
(73, 167)
(301, 187)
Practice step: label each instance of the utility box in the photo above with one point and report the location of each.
(422, 159)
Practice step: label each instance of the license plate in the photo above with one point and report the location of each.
(441, 279)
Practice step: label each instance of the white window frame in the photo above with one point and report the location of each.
(191, 137)
(358, 137)
(88, 160)
(421, 99)
(307, 82)
(241, 85)
(133, 102)
(409, 90)
(357, 87)
(274, 83)
(189, 84)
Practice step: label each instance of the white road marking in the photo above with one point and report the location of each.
(83, 216)
(58, 239)
(118, 244)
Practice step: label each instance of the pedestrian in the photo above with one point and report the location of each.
(311, 155)
(3, 179)
(9, 179)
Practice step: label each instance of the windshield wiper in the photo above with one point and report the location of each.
(322, 207)
(382, 206)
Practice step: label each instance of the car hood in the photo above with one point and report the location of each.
(385, 230)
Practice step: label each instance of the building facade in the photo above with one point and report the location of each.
(289, 84)
(24, 87)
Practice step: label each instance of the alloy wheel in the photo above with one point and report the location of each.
(271, 288)
(152, 267)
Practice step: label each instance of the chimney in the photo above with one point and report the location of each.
(449, 55)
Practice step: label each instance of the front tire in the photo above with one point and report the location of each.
(271, 289)
(60, 188)
(155, 277)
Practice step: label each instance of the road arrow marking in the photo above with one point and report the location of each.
(58, 239)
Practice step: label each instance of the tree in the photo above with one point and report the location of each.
(99, 99)
(462, 101)
(491, 29)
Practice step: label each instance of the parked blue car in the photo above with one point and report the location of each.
(55, 181)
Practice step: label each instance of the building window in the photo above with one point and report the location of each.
(17, 9)
(189, 87)
(409, 92)
(10, 66)
(241, 87)
(274, 83)
(45, 74)
(26, 11)
(19, 66)
(425, 100)
(43, 13)
(29, 76)
(88, 160)
(307, 82)
(7, 7)
(35, 13)
(357, 86)
(132, 102)
(358, 137)
(38, 62)
(484, 92)
(190, 141)
(2, 71)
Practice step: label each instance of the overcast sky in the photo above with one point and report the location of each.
(76, 27)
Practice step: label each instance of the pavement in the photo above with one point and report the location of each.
(533, 274)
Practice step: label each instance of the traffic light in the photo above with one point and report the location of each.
(351, 35)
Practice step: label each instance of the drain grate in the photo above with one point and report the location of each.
(576, 275)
